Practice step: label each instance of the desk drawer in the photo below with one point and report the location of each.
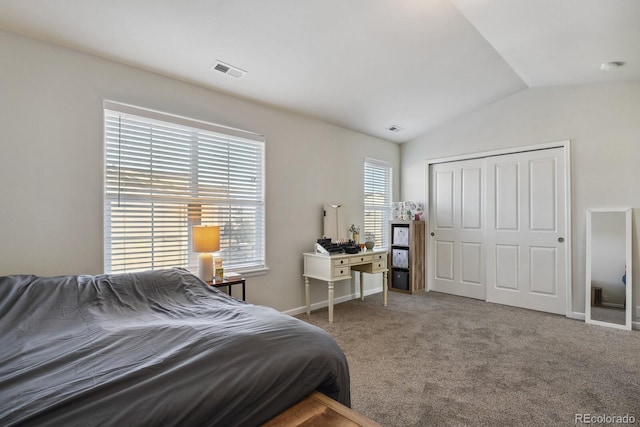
(340, 272)
(380, 263)
(379, 266)
(380, 257)
(361, 259)
(342, 262)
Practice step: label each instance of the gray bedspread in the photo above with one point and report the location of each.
(153, 349)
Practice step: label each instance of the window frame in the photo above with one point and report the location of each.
(198, 210)
(380, 226)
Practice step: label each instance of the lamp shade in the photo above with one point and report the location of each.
(206, 238)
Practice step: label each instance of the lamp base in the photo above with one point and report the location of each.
(205, 267)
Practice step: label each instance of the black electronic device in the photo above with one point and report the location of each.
(350, 248)
(327, 247)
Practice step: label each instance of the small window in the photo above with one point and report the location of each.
(163, 175)
(377, 200)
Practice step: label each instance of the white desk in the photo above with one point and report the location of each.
(332, 268)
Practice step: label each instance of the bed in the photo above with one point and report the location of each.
(153, 348)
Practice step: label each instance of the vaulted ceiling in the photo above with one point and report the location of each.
(362, 64)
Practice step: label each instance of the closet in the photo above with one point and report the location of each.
(498, 228)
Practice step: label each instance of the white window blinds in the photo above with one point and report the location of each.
(164, 174)
(377, 200)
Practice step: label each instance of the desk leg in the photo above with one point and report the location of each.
(384, 288)
(330, 302)
(307, 297)
(243, 291)
(361, 286)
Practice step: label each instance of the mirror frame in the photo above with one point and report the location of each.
(629, 263)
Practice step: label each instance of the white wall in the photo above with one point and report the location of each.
(603, 124)
(51, 152)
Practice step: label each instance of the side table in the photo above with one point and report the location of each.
(228, 283)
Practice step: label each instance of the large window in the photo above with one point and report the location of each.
(164, 174)
(377, 200)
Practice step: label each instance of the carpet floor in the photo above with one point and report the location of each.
(433, 359)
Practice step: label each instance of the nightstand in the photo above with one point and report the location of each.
(229, 283)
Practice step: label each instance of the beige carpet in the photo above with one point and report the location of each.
(433, 359)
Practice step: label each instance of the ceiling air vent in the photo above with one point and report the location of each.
(608, 66)
(229, 70)
(395, 128)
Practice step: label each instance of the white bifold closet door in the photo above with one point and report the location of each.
(525, 234)
(457, 227)
(497, 229)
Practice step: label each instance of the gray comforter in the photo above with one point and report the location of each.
(154, 348)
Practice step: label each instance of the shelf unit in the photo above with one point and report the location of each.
(407, 256)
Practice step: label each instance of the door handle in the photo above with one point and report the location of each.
(560, 239)
(433, 234)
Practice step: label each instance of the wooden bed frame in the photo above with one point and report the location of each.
(319, 410)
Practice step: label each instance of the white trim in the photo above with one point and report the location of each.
(224, 131)
(576, 315)
(501, 152)
(325, 303)
(187, 139)
(569, 236)
(609, 324)
(258, 271)
(629, 324)
(377, 161)
(564, 144)
(581, 316)
(369, 166)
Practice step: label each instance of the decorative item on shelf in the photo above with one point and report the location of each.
(206, 239)
(406, 211)
(219, 271)
(370, 241)
(355, 233)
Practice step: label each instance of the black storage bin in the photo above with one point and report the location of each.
(400, 279)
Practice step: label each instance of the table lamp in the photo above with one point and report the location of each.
(206, 239)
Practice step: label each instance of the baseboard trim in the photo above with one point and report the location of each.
(325, 303)
(322, 304)
(576, 315)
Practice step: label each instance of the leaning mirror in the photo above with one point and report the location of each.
(608, 284)
(334, 222)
